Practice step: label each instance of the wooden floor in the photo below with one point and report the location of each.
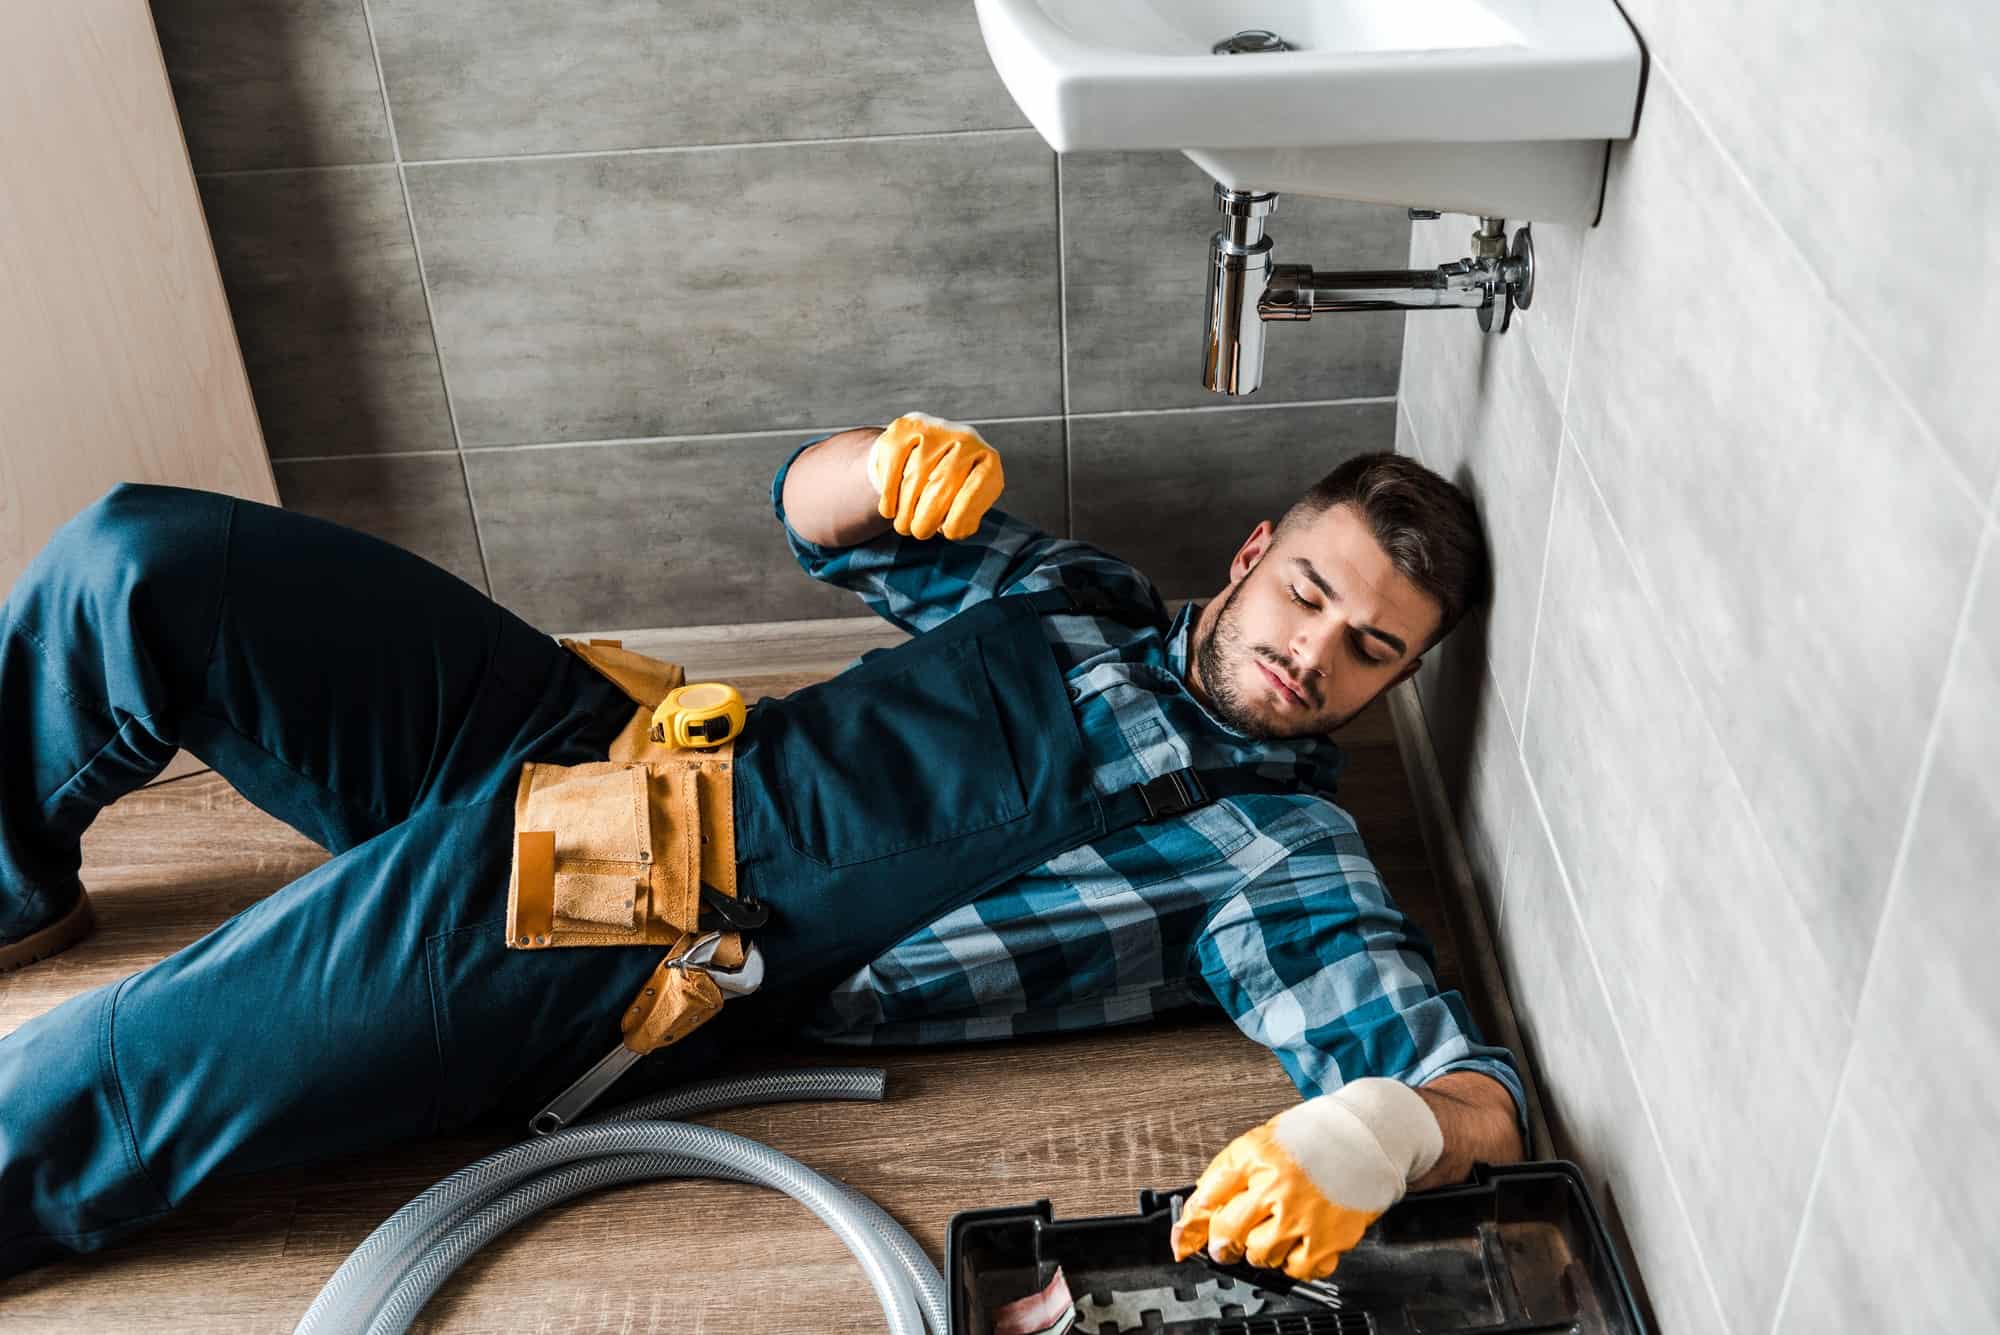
(1085, 1121)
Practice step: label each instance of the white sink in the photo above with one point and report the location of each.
(1477, 106)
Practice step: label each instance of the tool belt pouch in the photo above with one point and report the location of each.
(614, 852)
(673, 1003)
(605, 854)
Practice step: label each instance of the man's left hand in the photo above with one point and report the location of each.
(1295, 1193)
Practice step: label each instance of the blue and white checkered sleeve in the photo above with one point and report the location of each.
(1311, 959)
(920, 584)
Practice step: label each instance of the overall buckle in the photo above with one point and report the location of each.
(1172, 793)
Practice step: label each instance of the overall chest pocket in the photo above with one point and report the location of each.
(872, 765)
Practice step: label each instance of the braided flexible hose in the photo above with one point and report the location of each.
(351, 1297)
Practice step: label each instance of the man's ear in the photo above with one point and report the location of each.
(1251, 551)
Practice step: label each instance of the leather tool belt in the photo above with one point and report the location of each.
(616, 852)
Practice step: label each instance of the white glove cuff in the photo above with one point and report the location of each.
(929, 420)
(1363, 1143)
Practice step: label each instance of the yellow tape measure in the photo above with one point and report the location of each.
(707, 713)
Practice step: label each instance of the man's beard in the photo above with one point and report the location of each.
(1216, 654)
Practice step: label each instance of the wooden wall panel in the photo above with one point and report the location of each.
(118, 360)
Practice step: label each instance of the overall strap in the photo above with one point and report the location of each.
(1177, 791)
(1091, 602)
(1183, 790)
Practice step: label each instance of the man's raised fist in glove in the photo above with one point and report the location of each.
(934, 476)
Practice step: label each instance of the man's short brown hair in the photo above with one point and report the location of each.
(1428, 527)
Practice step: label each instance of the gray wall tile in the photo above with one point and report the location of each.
(416, 501)
(273, 83)
(614, 297)
(1780, 505)
(1866, 130)
(1482, 416)
(1901, 1233)
(329, 309)
(1597, 1116)
(478, 78)
(1719, 986)
(1135, 264)
(680, 532)
(1176, 494)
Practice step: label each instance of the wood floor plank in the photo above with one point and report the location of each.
(1084, 1120)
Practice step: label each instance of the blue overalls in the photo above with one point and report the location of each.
(384, 708)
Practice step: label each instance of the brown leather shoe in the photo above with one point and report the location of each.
(58, 936)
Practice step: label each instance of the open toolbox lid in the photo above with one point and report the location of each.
(1518, 1250)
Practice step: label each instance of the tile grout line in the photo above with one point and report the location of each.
(1541, 588)
(1755, 824)
(1062, 354)
(351, 458)
(1714, 733)
(1505, 849)
(1846, 322)
(1242, 407)
(1961, 639)
(430, 310)
(808, 430)
(1709, 724)
(400, 161)
(1555, 485)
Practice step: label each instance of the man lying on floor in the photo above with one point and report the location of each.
(1055, 807)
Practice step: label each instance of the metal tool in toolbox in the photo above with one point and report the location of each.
(1519, 1250)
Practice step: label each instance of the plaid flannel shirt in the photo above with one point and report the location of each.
(1266, 905)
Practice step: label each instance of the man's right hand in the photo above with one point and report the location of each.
(934, 476)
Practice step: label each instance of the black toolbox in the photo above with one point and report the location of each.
(1518, 1250)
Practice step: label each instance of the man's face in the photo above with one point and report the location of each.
(1312, 627)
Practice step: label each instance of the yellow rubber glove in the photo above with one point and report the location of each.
(934, 476)
(1298, 1191)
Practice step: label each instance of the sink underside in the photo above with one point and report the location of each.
(1480, 106)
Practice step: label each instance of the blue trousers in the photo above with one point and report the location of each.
(376, 704)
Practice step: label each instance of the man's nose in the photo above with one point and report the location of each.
(1313, 647)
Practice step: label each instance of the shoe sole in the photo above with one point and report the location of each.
(57, 937)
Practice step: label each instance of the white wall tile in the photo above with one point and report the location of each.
(1807, 548)
(1901, 1233)
(1867, 130)
(1721, 992)
(1595, 1111)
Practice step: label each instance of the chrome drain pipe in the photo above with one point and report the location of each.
(1245, 288)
